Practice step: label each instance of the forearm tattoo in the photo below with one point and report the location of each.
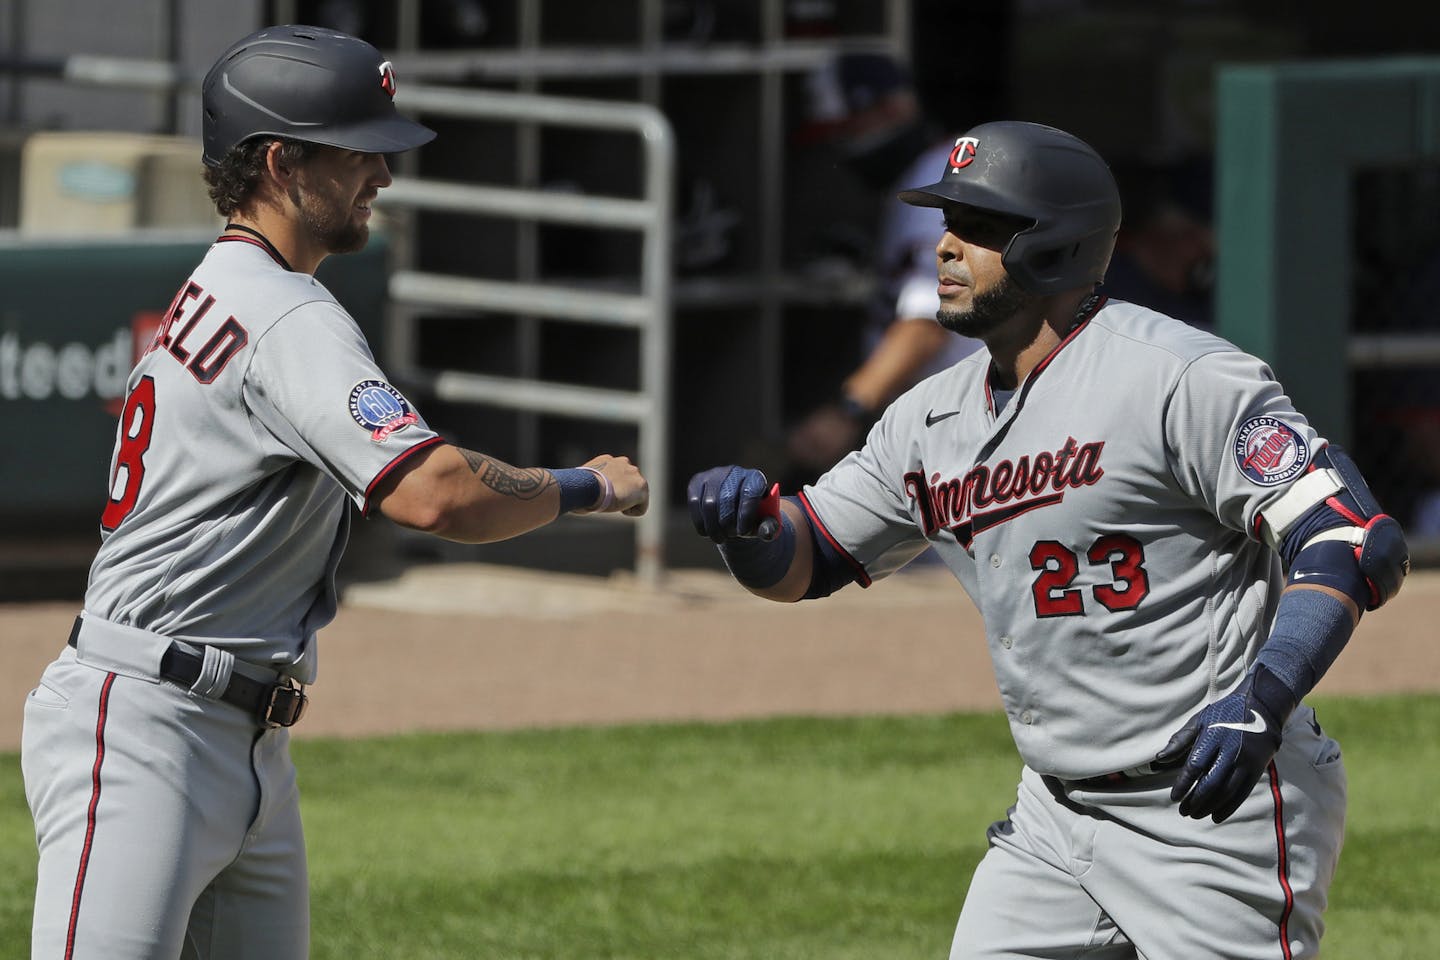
(508, 480)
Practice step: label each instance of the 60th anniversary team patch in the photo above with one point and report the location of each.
(380, 408)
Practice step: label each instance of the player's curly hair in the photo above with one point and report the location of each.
(233, 181)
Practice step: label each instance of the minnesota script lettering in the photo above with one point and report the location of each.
(989, 495)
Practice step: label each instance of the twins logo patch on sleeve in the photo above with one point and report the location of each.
(1268, 452)
(380, 408)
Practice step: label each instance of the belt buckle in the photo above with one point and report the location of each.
(285, 705)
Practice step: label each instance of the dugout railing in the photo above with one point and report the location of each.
(646, 310)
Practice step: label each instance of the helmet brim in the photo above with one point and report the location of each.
(948, 193)
(377, 135)
(393, 134)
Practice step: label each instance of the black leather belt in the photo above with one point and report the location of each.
(273, 704)
(1111, 781)
(1106, 781)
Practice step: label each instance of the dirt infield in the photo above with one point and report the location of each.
(465, 646)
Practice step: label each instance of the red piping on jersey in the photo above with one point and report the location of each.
(1283, 861)
(1080, 324)
(861, 577)
(385, 471)
(90, 815)
(231, 238)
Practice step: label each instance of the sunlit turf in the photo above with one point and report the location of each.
(787, 838)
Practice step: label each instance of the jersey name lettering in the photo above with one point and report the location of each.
(216, 352)
(1012, 488)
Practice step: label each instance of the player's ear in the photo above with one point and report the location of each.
(281, 170)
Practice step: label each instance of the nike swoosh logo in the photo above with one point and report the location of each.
(1256, 725)
(1302, 576)
(933, 418)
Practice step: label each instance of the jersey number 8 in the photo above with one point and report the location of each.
(137, 420)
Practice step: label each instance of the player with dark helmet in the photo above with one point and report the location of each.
(1167, 557)
(156, 747)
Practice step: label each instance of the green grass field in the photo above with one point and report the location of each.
(777, 839)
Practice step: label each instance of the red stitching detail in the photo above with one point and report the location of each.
(1284, 861)
(385, 470)
(864, 578)
(1080, 324)
(90, 815)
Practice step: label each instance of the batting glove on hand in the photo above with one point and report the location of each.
(1229, 745)
(728, 503)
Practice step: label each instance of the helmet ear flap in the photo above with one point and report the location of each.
(1041, 265)
(1031, 270)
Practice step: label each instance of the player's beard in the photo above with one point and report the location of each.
(988, 310)
(328, 219)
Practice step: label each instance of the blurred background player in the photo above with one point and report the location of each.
(866, 105)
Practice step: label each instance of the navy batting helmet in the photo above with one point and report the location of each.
(1044, 175)
(305, 83)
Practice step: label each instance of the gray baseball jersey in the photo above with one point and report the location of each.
(168, 818)
(255, 411)
(1104, 521)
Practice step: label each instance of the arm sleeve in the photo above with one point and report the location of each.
(314, 385)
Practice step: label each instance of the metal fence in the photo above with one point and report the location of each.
(646, 311)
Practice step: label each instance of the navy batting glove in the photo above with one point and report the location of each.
(1227, 746)
(725, 502)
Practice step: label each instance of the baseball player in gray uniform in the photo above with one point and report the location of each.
(1166, 556)
(155, 748)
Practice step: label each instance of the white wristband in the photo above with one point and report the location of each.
(607, 491)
